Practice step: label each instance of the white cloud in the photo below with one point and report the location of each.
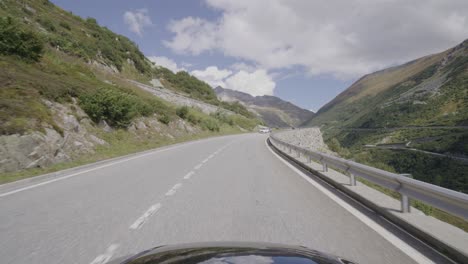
(242, 66)
(197, 35)
(186, 64)
(342, 38)
(166, 63)
(254, 83)
(212, 75)
(137, 20)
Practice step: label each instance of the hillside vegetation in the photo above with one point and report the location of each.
(49, 56)
(420, 105)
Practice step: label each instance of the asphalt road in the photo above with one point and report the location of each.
(221, 189)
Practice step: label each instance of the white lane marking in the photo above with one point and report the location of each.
(198, 166)
(140, 221)
(92, 169)
(104, 258)
(396, 241)
(173, 190)
(188, 175)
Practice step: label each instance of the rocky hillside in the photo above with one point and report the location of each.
(274, 111)
(65, 98)
(410, 119)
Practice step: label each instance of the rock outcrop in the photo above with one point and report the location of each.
(73, 136)
(42, 149)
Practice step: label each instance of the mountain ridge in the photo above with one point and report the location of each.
(275, 111)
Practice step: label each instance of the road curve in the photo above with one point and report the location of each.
(229, 188)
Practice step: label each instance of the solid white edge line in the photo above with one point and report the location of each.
(93, 169)
(394, 240)
(188, 175)
(104, 258)
(142, 219)
(173, 189)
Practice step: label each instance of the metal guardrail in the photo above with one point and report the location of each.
(447, 200)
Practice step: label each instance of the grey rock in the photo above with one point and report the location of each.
(103, 124)
(97, 140)
(70, 123)
(140, 125)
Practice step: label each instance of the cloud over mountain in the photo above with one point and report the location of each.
(343, 38)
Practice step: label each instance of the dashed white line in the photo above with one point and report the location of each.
(140, 221)
(104, 258)
(188, 175)
(173, 190)
(206, 160)
(396, 241)
(198, 166)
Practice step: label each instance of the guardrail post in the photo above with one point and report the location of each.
(309, 159)
(352, 179)
(325, 166)
(405, 204)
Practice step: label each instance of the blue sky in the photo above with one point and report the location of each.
(305, 52)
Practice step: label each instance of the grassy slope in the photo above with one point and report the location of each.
(353, 103)
(64, 73)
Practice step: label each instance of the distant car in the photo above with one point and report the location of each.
(264, 130)
(231, 252)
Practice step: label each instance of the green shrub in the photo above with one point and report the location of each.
(244, 122)
(210, 124)
(182, 112)
(184, 82)
(238, 108)
(165, 119)
(193, 119)
(65, 25)
(114, 106)
(17, 40)
(47, 24)
(334, 145)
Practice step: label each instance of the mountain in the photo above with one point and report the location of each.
(410, 118)
(273, 110)
(425, 92)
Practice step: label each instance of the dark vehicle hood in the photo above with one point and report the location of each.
(231, 253)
